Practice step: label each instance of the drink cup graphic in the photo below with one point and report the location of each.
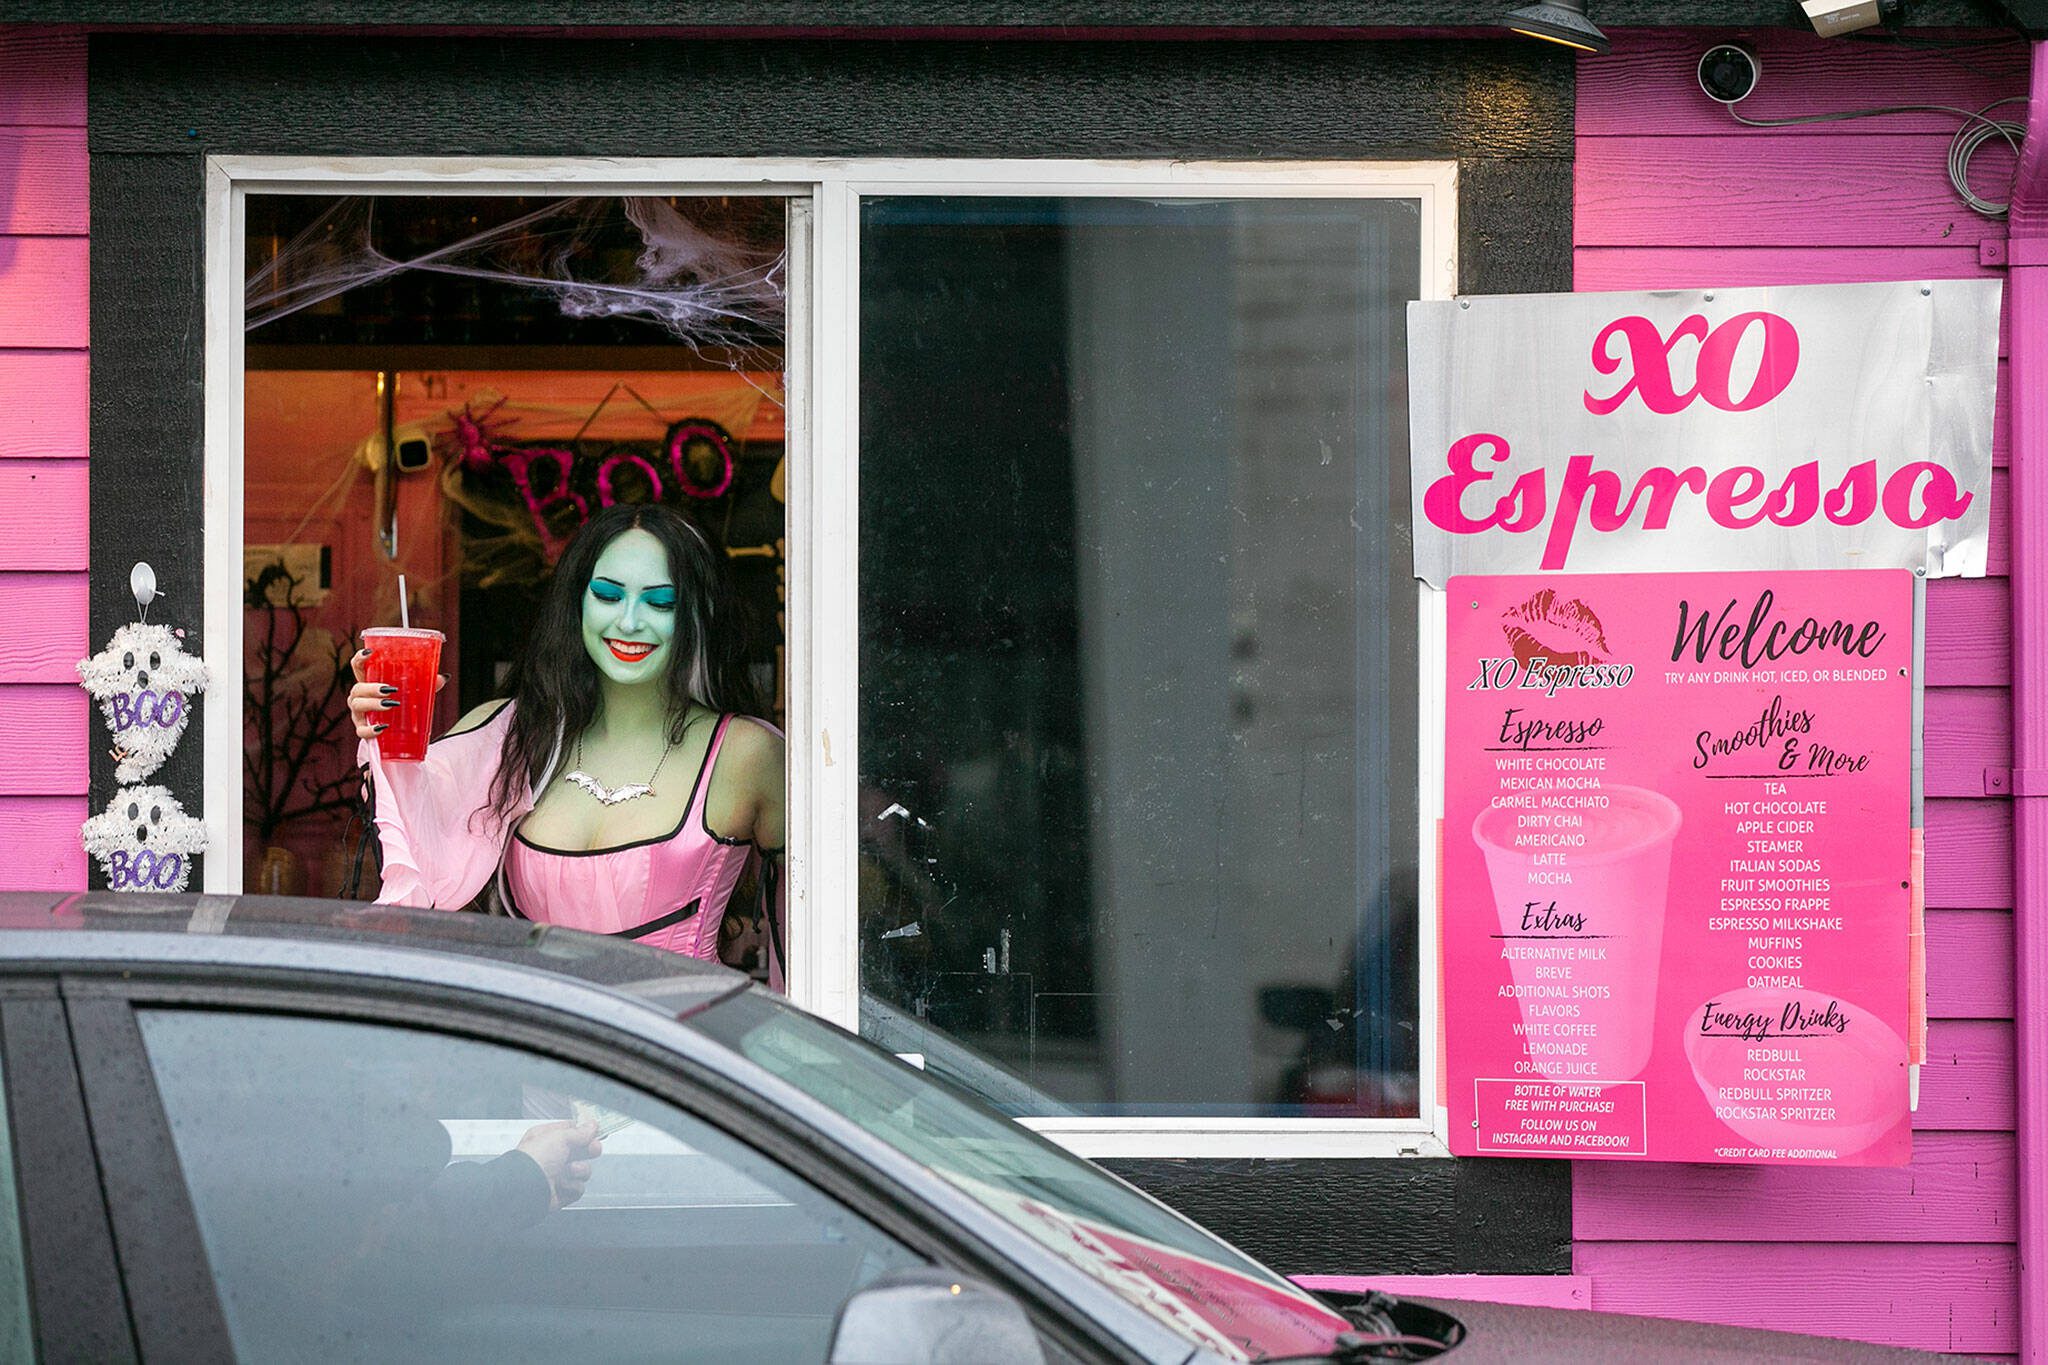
(408, 659)
(1580, 887)
(1815, 1091)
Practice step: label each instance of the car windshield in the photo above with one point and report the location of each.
(1159, 1261)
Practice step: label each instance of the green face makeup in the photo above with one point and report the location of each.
(629, 609)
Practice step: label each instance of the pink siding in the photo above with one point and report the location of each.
(1968, 730)
(1969, 632)
(1646, 85)
(42, 734)
(49, 192)
(1958, 1189)
(42, 79)
(1969, 855)
(1670, 193)
(40, 834)
(43, 515)
(42, 289)
(2027, 302)
(44, 725)
(1972, 978)
(1700, 267)
(1796, 189)
(47, 655)
(1955, 1296)
(43, 394)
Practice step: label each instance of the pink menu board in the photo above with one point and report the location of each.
(1676, 862)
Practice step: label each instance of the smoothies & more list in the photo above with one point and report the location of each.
(1676, 866)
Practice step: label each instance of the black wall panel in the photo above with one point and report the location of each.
(1050, 17)
(1491, 1217)
(560, 96)
(159, 103)
(148, 427)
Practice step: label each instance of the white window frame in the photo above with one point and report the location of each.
(823, 643)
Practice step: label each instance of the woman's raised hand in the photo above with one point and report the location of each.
(368, 701)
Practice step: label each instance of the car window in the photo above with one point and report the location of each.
(371, 1192)
(1155, 1259)
(14, 1318)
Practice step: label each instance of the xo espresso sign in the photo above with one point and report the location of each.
(1824, 426)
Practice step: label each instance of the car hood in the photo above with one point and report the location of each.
(1503, 1332)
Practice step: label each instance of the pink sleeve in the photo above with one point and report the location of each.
(441, 842)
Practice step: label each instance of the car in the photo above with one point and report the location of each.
(267, 1129)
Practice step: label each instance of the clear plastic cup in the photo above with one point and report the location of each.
(408, 658)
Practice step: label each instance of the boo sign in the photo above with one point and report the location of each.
(1803, 427)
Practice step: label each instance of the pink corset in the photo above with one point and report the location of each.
(668, 892)
(442, 844)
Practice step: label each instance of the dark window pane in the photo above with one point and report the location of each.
(1138, 651)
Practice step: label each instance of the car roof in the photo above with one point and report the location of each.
(106, 926)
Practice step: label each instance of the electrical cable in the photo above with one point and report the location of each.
(1978, 128)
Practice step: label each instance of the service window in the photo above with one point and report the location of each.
(1071, 501)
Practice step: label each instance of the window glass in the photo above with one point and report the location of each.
(1138, 728)
(15, 1341)
(448, 388)
(376, 1193)
(1158, 1261)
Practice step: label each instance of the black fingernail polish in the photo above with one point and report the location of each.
(388, 703)
(388, 690)
(379, 729)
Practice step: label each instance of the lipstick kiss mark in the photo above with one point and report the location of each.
(1564, 632)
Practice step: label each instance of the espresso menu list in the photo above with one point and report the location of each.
(1676, 866)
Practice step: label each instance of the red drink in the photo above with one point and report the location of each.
(410, 660)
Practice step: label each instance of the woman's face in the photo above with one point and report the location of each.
(629, 609)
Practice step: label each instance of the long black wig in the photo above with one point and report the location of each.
(555, 683)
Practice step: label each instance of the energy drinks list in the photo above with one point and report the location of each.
(1676, 861)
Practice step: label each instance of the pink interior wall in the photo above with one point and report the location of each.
(1671, 193)
(304, 484)
(43, 556)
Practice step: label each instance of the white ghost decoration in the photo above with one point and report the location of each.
(144, 682)
(144, 841)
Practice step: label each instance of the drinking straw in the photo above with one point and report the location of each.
(404, 611)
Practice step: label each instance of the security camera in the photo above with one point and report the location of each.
(413, 450)
(1833, 18)
(1729, 72)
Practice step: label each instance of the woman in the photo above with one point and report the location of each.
(623, 788)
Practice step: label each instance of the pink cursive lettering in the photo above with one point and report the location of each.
(1443, 503)
(1914, 496)
(1649, 352)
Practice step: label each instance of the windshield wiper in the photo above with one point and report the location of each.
(1388, 1329)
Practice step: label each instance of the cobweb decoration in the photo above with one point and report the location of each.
(703, 289)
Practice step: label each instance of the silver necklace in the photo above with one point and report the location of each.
(611, 796)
